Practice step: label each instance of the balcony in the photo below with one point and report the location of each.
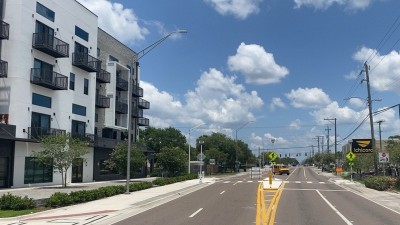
(143, 122)
(5, 30)
(137, 91)
(103, 142)
(3, 69)
(103, 76)
(86, 62)
(84, 137)
(121, 107)
(49, 79)
(143, 104)
(7, 131)
(137, 113)
(122, 84)
(39, 132)
(102, 101)
(50, 45)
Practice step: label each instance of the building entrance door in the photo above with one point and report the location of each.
(4, 172)
(77, 170)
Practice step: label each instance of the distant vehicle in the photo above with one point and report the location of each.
(281, 169)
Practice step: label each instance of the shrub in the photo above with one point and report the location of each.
(59, 199)
(140, 186)
(170, 180)
(12, 202)
(380, 183)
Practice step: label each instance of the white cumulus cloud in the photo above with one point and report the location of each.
(217, 100)
(324, 4)
(385, 69)
(276, 103)
(117, 20)
(240, 9)
(257, 65)
(308, 98)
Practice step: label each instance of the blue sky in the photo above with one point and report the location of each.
(286, 65)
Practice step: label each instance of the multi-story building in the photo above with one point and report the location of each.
(52, 81)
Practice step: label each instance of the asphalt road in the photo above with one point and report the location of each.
(231, 201)
(311, 199)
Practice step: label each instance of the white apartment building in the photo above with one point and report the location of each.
(52, 81)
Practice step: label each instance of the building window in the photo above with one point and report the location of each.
(86, 86)
(72, 81)
(98, 52)
(78, 128)
(81, 33)
(36, 172)
(44, 11)
(41, 100)
(43, 71)
(78, 110)
(96, 117)
(44, 32)
(113, 59)
(40, 125)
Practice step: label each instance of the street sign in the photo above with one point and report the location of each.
(350, 156)
(212, 161)
(201, 156)
(272, 155)
(383, 157)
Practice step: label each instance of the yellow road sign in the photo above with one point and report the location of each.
(350, 156)
(272, 156)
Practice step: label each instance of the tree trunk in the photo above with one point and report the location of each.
(62, 178)
(65, 178)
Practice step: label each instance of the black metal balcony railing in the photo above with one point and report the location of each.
(84, 137)
(4, 30)
(51, 45)
(102, 101)
(49, 79)
(137, 91)
(39, 132)
(86, 62)
(103, 76)
(137, 113)
(143, 104)
(3, 69)
(143, 122)
(121, 107)
(122, 84)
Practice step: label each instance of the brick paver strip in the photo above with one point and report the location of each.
(69, 215)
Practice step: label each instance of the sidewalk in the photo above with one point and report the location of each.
(387, 199)
(103, 210)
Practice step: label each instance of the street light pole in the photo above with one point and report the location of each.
(237, 146)
(136, 58)
(189, 144)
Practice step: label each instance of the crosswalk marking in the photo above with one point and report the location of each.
(300, 182)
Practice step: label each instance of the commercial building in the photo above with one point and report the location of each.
(60, 73)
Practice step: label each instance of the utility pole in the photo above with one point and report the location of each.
(336, 162)
(327, 138)
(371, 119)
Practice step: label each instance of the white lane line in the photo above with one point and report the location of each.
(309, 182)
(226, 182)
(298, 182)
(304, 170)
(191, 216)
(348, 222)
(222, 192)
(237, 182)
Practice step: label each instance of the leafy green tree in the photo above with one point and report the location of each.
(158, 138)
(393, 147)
(60, 151)
(118, 159)
(173, 160)
(214, 153)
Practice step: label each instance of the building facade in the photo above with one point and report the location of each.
(53, 80)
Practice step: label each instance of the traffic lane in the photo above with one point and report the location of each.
(238, 207)
(305, 207)
(191, 208)
(360, 210)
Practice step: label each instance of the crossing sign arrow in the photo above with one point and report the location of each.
(350, 156)
(272, 156)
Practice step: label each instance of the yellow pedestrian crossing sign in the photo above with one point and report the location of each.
(350, 156)
(272, 156)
